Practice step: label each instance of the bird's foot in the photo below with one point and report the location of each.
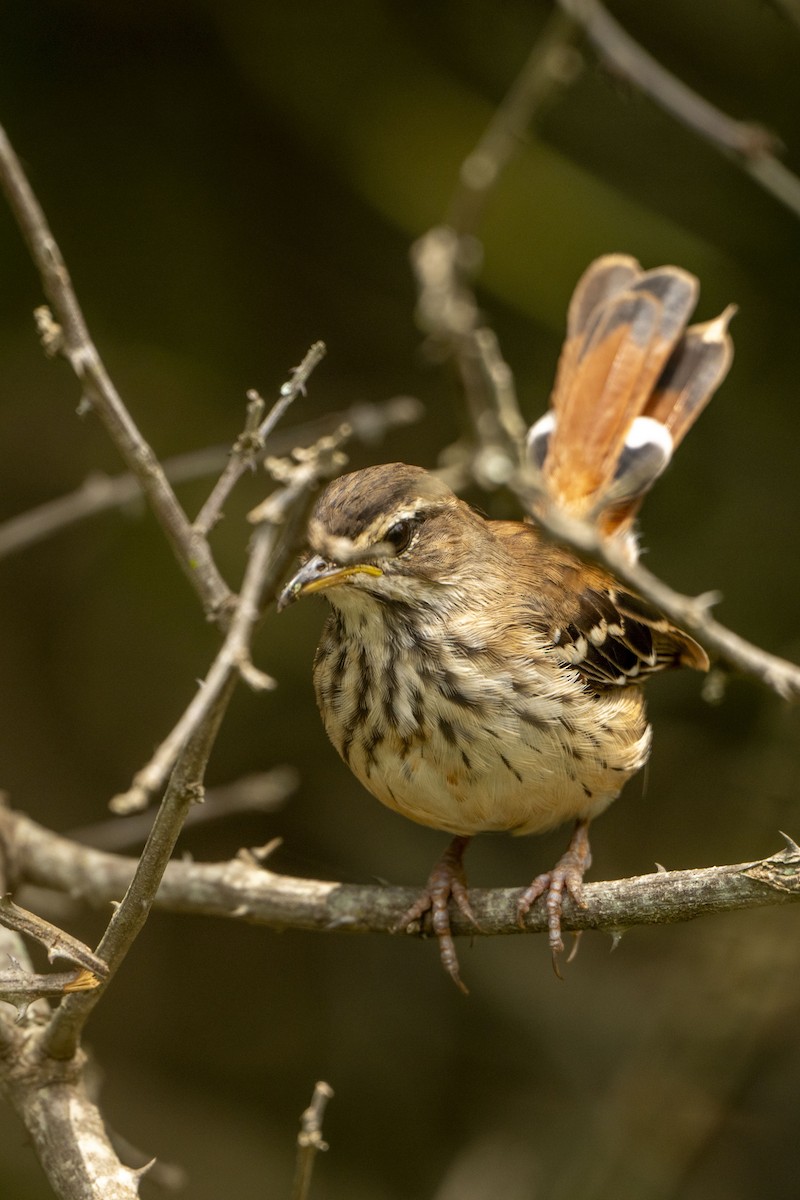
(566, 876)
(445, 880)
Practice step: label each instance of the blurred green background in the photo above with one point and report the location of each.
(229, 181)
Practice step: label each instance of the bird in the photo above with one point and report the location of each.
(473, 674)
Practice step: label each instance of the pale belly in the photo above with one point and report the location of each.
(519, 759)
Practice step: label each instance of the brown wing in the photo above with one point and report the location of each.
(612, 636)
(615, 638)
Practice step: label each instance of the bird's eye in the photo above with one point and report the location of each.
(399, 535)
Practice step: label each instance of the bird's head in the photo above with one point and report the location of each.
(394, 532)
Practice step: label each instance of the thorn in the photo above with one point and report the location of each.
(140, 1172)
(262, 853)
(575, 945)
(616, 938)
(661, 869)
(791, 844)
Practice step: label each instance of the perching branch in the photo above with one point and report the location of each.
(241, 890)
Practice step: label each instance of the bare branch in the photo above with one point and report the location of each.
(252, 440)
(57, 943)
(100, 493)
(448, 308)
(294, 386)
(273, 542)
(448, 311)
(242, 891)
(309, 1140)
(230, 657)
(64, 1125)
(19, 987)
(261, 792)
(192, 740)
(748, 144)
(552, 65)
(73, 341)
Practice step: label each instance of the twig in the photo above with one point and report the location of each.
(20, 987)
(101, 493)
(551, 65)
(748, 144)
(61, 1039)
(233, 652)
(309, 1140)
(294, 386)
(239, 890)
(72, 339)
(57, 943)
(262, 792)
(281, 515)
(448, 311)
(252, 440)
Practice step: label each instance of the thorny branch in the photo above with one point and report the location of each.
(241, 890)
(51, 1098)
(279, 519)
(189, 745)
(57, 943)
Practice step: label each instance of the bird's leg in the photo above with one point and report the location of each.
(566, 874)
(445, 880)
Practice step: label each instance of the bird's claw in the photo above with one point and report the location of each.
(446, 880)
(566, 876)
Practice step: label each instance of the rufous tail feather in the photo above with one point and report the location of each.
(631, 380)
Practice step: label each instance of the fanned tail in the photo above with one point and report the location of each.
(631, 381)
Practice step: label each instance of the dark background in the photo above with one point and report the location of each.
(228, 182)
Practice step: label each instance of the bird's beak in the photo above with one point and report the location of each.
(316, 574)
